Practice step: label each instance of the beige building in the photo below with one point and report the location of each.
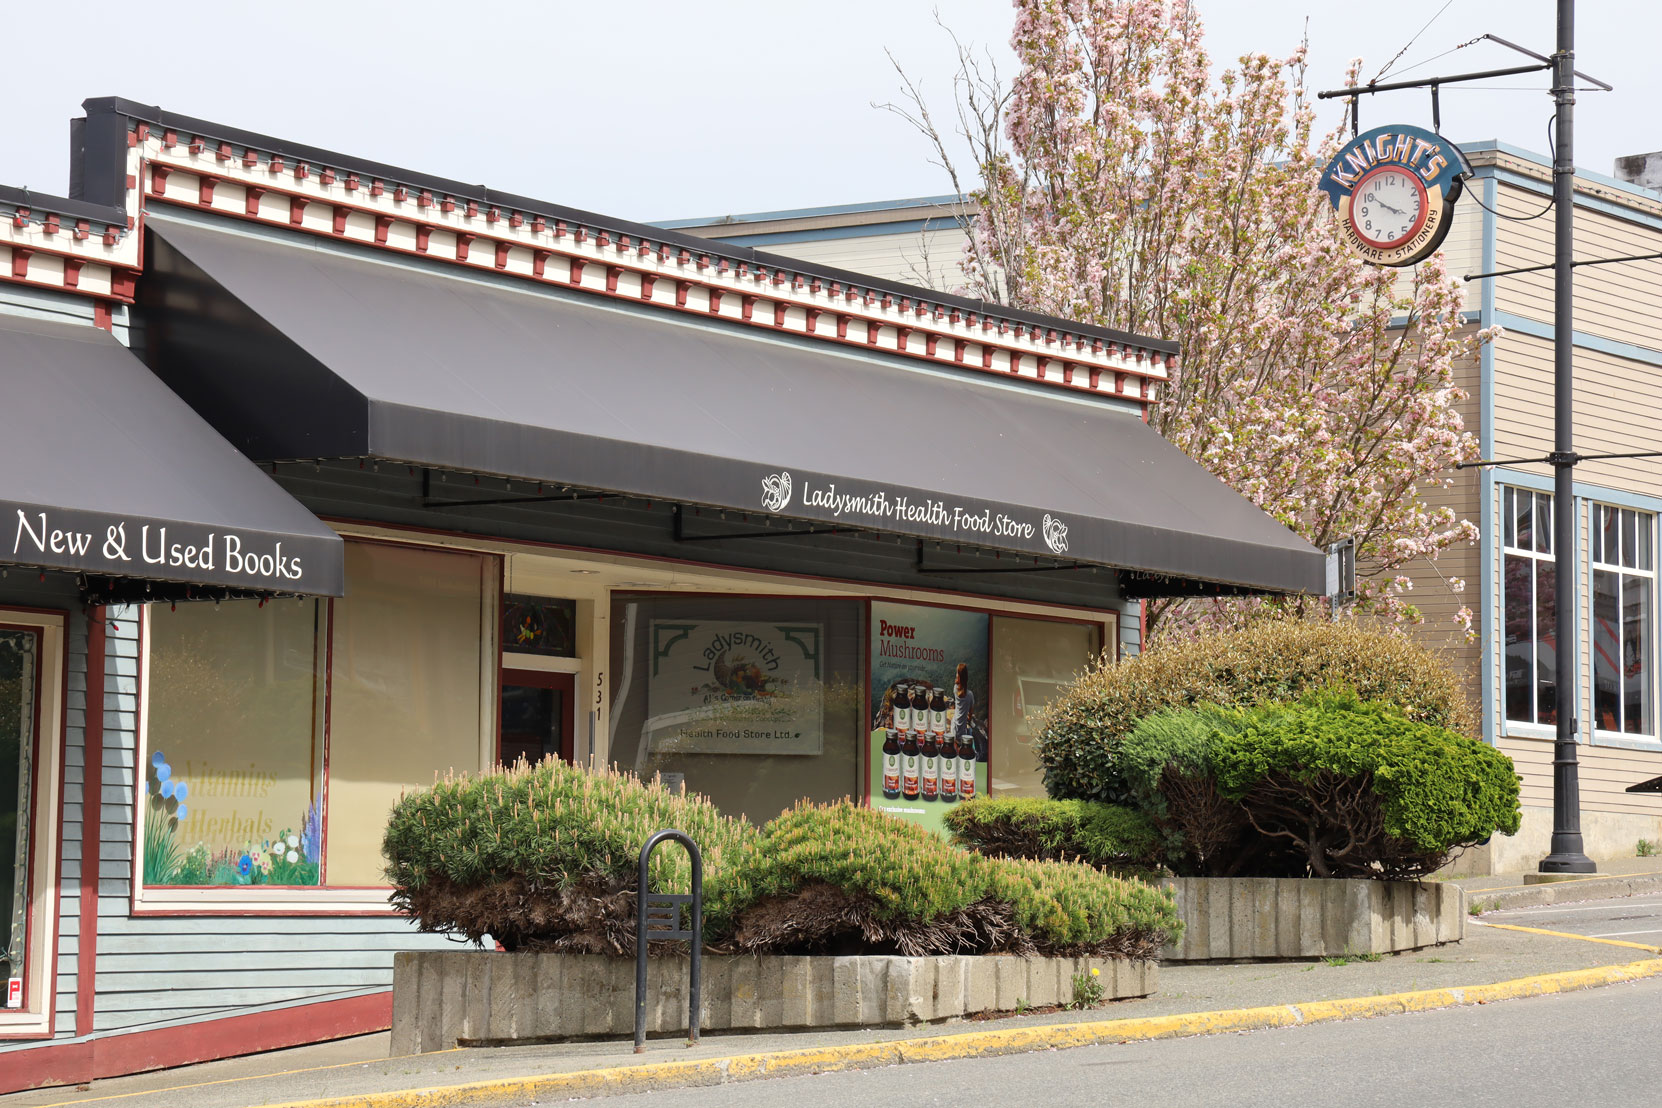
(1618, 362)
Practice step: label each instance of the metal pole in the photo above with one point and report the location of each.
(1567, 855)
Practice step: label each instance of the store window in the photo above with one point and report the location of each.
(407, 691)
(1033, 661)
(279, 734)
(1529, 606)
(754, 702)
(233, 771)
(1624, 619)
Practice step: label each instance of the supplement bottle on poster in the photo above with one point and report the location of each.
(966, 767)
(909, 768)
(891, 763)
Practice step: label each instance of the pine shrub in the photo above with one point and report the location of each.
(1107, 836)
(1269, 662)
(544, 856)
(843, 878)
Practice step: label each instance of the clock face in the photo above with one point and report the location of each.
(1388, 207)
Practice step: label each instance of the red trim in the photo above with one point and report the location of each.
(20, 263)
(92, 763)
(142, 1051)
(1419, 223)
(101, 316)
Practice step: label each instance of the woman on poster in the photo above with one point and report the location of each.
(963, 726)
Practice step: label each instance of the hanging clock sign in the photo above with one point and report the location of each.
(1394, 189)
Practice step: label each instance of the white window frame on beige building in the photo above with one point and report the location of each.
(1508, 726)
(1645, 740)
(34, 1019)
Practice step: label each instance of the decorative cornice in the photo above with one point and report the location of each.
(67, 245)
(662, 269)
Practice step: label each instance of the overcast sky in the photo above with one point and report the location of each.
(657, 109)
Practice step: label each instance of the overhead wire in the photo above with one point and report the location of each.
(1387, 67)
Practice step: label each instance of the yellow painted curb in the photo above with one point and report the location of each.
(972, 1044)
(1569, 935)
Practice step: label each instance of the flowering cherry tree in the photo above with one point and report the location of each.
(1122, 184)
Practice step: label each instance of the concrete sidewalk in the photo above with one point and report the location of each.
(1622, 877)
(1491, 964)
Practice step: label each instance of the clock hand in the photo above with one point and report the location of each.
(1388, 207)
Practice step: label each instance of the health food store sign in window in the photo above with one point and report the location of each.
(728, 687)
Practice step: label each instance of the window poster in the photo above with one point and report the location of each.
(735, 687)
(928, 710)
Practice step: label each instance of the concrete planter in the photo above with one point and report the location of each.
(1245, 918)
(444, 998)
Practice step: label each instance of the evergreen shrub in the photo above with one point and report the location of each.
(1362, 790)
(845, 878)
(1271, 661)
(1107, 836)
(545, 858)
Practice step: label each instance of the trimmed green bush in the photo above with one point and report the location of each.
(1363, 790)
(842, 877)
(1108, 836)
(1272, 661)
(544, 856)
(1169, 765)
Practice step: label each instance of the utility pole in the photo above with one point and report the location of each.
(1567, 854)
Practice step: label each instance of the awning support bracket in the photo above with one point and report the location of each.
(682, 536)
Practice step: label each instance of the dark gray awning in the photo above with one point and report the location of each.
(296, 351)
(103, 470)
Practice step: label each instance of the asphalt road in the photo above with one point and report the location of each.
(1601, 1045)
(1633, 920)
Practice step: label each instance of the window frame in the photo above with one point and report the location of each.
(1647, 519)
(292, 900)
(1505, 549)
(46, 799)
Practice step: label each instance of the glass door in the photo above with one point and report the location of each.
(19, 677)
(537, 717)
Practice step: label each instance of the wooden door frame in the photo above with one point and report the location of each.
(543, 679)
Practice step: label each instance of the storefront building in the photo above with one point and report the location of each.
(588, 490)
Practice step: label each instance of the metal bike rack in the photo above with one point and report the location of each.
(658, 919)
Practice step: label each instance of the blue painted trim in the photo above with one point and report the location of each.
(1489, 621)
(860, 231)
(808, 213)
(1614, 347)
(1590, 203)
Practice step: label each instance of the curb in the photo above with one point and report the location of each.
(1564, 892)
(975, 1044)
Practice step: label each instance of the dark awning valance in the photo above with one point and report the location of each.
(298, 352)
(104, 471)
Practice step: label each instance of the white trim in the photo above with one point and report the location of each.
(36, 1016)
(541, 663)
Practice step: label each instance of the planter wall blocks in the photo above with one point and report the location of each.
(444, 998)
(1239, 918)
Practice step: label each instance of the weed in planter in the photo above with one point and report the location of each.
(1644, 848)
(1087, 989)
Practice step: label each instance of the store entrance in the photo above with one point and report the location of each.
(537, 719)
(19, 655)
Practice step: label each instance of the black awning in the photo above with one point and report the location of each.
(298, 352)
(104, 471)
